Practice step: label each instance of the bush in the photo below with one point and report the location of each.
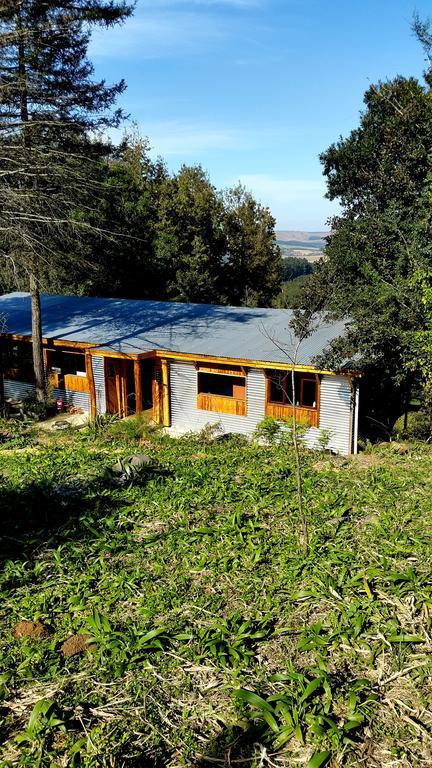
(419, 426)
(14, 433)
(36, 409)
(269, 430)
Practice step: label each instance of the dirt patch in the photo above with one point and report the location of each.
(367, 461)
(34, 630)
(77, 644)
(63, 421)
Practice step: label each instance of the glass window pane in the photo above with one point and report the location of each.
(277, 388)
(218, 384)
(309, 393)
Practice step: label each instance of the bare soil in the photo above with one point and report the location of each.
(34, 630)
(76, 644)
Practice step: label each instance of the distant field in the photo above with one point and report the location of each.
(305, 245)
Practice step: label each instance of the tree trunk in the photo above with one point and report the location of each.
(38, 361)
(299, 479)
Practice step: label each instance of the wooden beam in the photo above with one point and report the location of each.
(191, 357)
(266, 364)
(91, 382)
(138, 387)
(166, 416)
(118, 355)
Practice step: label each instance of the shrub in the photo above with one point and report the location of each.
(419, 426)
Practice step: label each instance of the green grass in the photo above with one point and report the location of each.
(214, 639)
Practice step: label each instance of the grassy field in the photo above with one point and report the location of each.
(206, 636)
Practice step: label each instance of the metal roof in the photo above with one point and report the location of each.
(135, 326)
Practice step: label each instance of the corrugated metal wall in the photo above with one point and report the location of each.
(186, 417)
(78, 399)
(335, 412)
(98, 365)
(18, 390)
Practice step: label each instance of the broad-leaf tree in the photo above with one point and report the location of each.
(50, 103)
(378, 174)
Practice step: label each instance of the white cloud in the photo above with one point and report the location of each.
(157, 35)
(192, 139)
(295, 203)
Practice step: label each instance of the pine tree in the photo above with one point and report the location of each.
(49, 104)
(253, 264)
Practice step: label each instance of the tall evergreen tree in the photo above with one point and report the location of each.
(49, 102)
(253, 264)
(190, 236)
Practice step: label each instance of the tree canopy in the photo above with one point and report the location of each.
(50, 102)
(378, 174)
(171, 236)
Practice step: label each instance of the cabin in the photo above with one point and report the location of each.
(186, 365)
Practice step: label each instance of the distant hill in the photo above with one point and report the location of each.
(306, 245)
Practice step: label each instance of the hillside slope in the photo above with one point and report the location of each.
(211, 638)
(308, 245)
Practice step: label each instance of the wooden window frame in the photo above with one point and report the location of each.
(234, 406)
(68, 381)
(285, 401)
(305, 414)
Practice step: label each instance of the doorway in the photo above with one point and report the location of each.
(119, 386)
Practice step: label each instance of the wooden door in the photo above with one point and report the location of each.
(115, 385)
(157, 392)
(160, 393)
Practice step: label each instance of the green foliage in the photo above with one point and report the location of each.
(15, 433)
(34, 408)
(291, 293)
(324, 438)
(293, 267)
(252, 264)
(172, 237)
(269, 429)
(379, 174)
(308, 708)
(418, 426)
(193, 586)
(420, 348)
(233, 641)
(44, 722)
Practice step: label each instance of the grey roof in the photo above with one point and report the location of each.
(135, 326)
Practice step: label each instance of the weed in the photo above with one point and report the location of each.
(190, 586)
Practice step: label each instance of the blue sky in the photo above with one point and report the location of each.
(253, 90)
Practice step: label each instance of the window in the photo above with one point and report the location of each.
(17, 360)
(280, 389)
(65, 362)
(222, 390)
(222, 385)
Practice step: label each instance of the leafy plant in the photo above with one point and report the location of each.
(269, 430)
(45, 720)
(306, 708)
(232, 641)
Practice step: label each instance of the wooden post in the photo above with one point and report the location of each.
(166, 417)
(124, 391)
(138, 387)
(92, 388)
